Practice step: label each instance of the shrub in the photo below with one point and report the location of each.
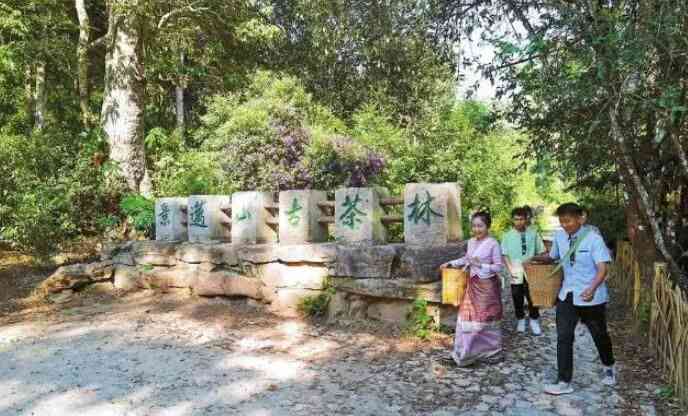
(274, 137)
(316, 306)
(419, 324)
(140, 212)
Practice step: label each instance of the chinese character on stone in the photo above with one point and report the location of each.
(244, 215)
(293, 214)
(197, 215)
(164, 214)
(421, 209)
(350, 217)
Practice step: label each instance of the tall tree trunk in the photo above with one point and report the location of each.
(123, 101)
(82, 59)
(644, 200)
(179, 96)
(40, 98)
(28, 91)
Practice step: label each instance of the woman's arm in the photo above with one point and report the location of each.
(495, 265)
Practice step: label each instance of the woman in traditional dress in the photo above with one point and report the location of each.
(478, 332)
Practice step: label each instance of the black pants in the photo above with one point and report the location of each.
(594, 317)
(518, 293)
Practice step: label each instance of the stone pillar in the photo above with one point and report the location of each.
(298, 217)
(358, 215)
(170, 219)
(432, 214)
(253, 218)
(205, 218)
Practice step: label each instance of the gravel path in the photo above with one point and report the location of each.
(180, 356)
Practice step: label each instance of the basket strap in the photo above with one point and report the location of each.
(572, 249)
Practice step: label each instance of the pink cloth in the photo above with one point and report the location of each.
(489, 253)
(478, 332)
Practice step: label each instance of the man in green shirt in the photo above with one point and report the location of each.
(519, 244)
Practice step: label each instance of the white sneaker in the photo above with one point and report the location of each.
(521, 327)
(535, 327)
(609, 378)
(559, 388)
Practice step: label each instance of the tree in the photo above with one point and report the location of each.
(602, 87)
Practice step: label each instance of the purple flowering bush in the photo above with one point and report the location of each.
(273, 137)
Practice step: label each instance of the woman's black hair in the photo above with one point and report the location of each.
(484, 215)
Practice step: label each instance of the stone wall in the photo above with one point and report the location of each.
(377, 282)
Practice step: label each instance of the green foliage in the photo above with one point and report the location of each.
(316, 306)
(273, 136)
(419, 323)
(140, 211)
(607, 213)
(54, 188)
(666, 392)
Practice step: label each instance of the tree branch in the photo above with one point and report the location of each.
(188, 8)
(644, 196)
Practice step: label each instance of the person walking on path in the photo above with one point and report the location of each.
(583, 295)
(518, 245)
(478, 332)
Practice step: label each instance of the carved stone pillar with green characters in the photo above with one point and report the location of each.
(432, 213)
(253, 221)
(170, 219)
(358, 216)
(206, 220)
(299, 216)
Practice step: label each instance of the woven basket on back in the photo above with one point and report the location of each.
(454, 282)
(543, 285)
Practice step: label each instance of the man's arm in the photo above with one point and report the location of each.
(600, 277)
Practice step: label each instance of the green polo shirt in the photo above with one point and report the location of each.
(512, 248)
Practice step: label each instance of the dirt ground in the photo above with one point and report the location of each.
(154, 353)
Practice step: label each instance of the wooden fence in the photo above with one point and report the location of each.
(656, 300)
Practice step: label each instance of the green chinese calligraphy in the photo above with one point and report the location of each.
(350, 216)
(164, 214)
(244, 215)
(197, 216)
(293, 216)
(421, 210)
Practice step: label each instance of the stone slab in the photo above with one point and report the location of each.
(358, 215)
(250, 216)
(431, 214)
(206, 220)
(170, 219)
(155, 253)
(365, 262)
(298, 217)
(390, 289)
(215, 253)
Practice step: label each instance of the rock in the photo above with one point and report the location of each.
(110, 249)
(155, 253)
(422, 263)
(365, 262)
(215, 253)
(311, 253)
(388, 311)
(76, 276)
(225, 283)
(126, 277)
(286, 301)
(295, 276)
(178, 276)
(257, 254)
(62, 297)
(390, 289)
(124, 258)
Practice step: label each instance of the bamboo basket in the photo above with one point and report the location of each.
(543, 285)
(454, 282)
